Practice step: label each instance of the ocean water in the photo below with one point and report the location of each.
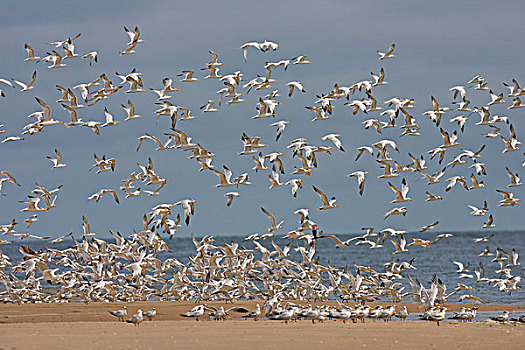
(429, 262)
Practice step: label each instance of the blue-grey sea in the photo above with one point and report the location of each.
(429, 262)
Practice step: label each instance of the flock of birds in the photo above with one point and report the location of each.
(128, 268)
(320, 313)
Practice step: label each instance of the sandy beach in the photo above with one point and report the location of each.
(81, 326)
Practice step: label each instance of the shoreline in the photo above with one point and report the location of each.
(88, 326)
(171, 310)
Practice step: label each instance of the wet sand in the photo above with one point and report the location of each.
(81, 326)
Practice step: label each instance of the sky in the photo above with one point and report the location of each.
(438, 45)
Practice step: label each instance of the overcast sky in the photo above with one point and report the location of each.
(438, 45)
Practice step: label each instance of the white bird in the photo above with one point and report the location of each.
(516, 103)
(471, 298)
(209, 107)
(388, 53)
(160, 145)
(508, 199)
(46, 119)
(462, 268)
(134, 36)
(461, 120)
(449, 141)
(57, 162)
(396, 211)
(150, 314)
(188, 76)
(454, 180)
(479, 212)
(56, 59)
(92, 56)
(504, 317)
(32, 205)
(196, 312)
(130, 111)
(109, 119)
(137, 318)
(28, 86)
(401, 195)
(245, 47)
(429, 227)
(335, 140)
(496, 99)
(281, 125)
(31, 54)
(459, 90)
(388, 171)
(362, 149)
(514, 178)
(512, 143)
(274, 179)
(489, 223)
(76, 121)
(230, 196)
(120, 314)
(300, 60)
(434, 178)
(224, 177)
(295, 184)
(360, 176)
(295, 85)
(431, 197)
(327, 204)
(130, 49)
(379, 79)
(254, 314)
(274, 226)
(188, 205)
(400, 247)
(96, 196)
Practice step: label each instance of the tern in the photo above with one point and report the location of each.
(57, 162)
(31, 54)
(120, 314)
(137, 318)
(196, 312)
(274, 226)
(400, 246)
(209, 107)
(327, 204)
(479, 212)
(300, 60)
(504, 317)
(335, 140)
(188, 205)
(92, 56)
(230, 196)
(396, 211)
(363, 149)
(28, 86)
(188, 76)
(281, 125)
(431, 197)
(295, 85)
(388, 53)
(514, 178)
(96, 196)
(150, 314)
(401, 195)
(360, 176)
(224, 177)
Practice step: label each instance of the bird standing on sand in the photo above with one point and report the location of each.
(120, 314)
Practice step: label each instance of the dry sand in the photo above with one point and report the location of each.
(80, 326)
